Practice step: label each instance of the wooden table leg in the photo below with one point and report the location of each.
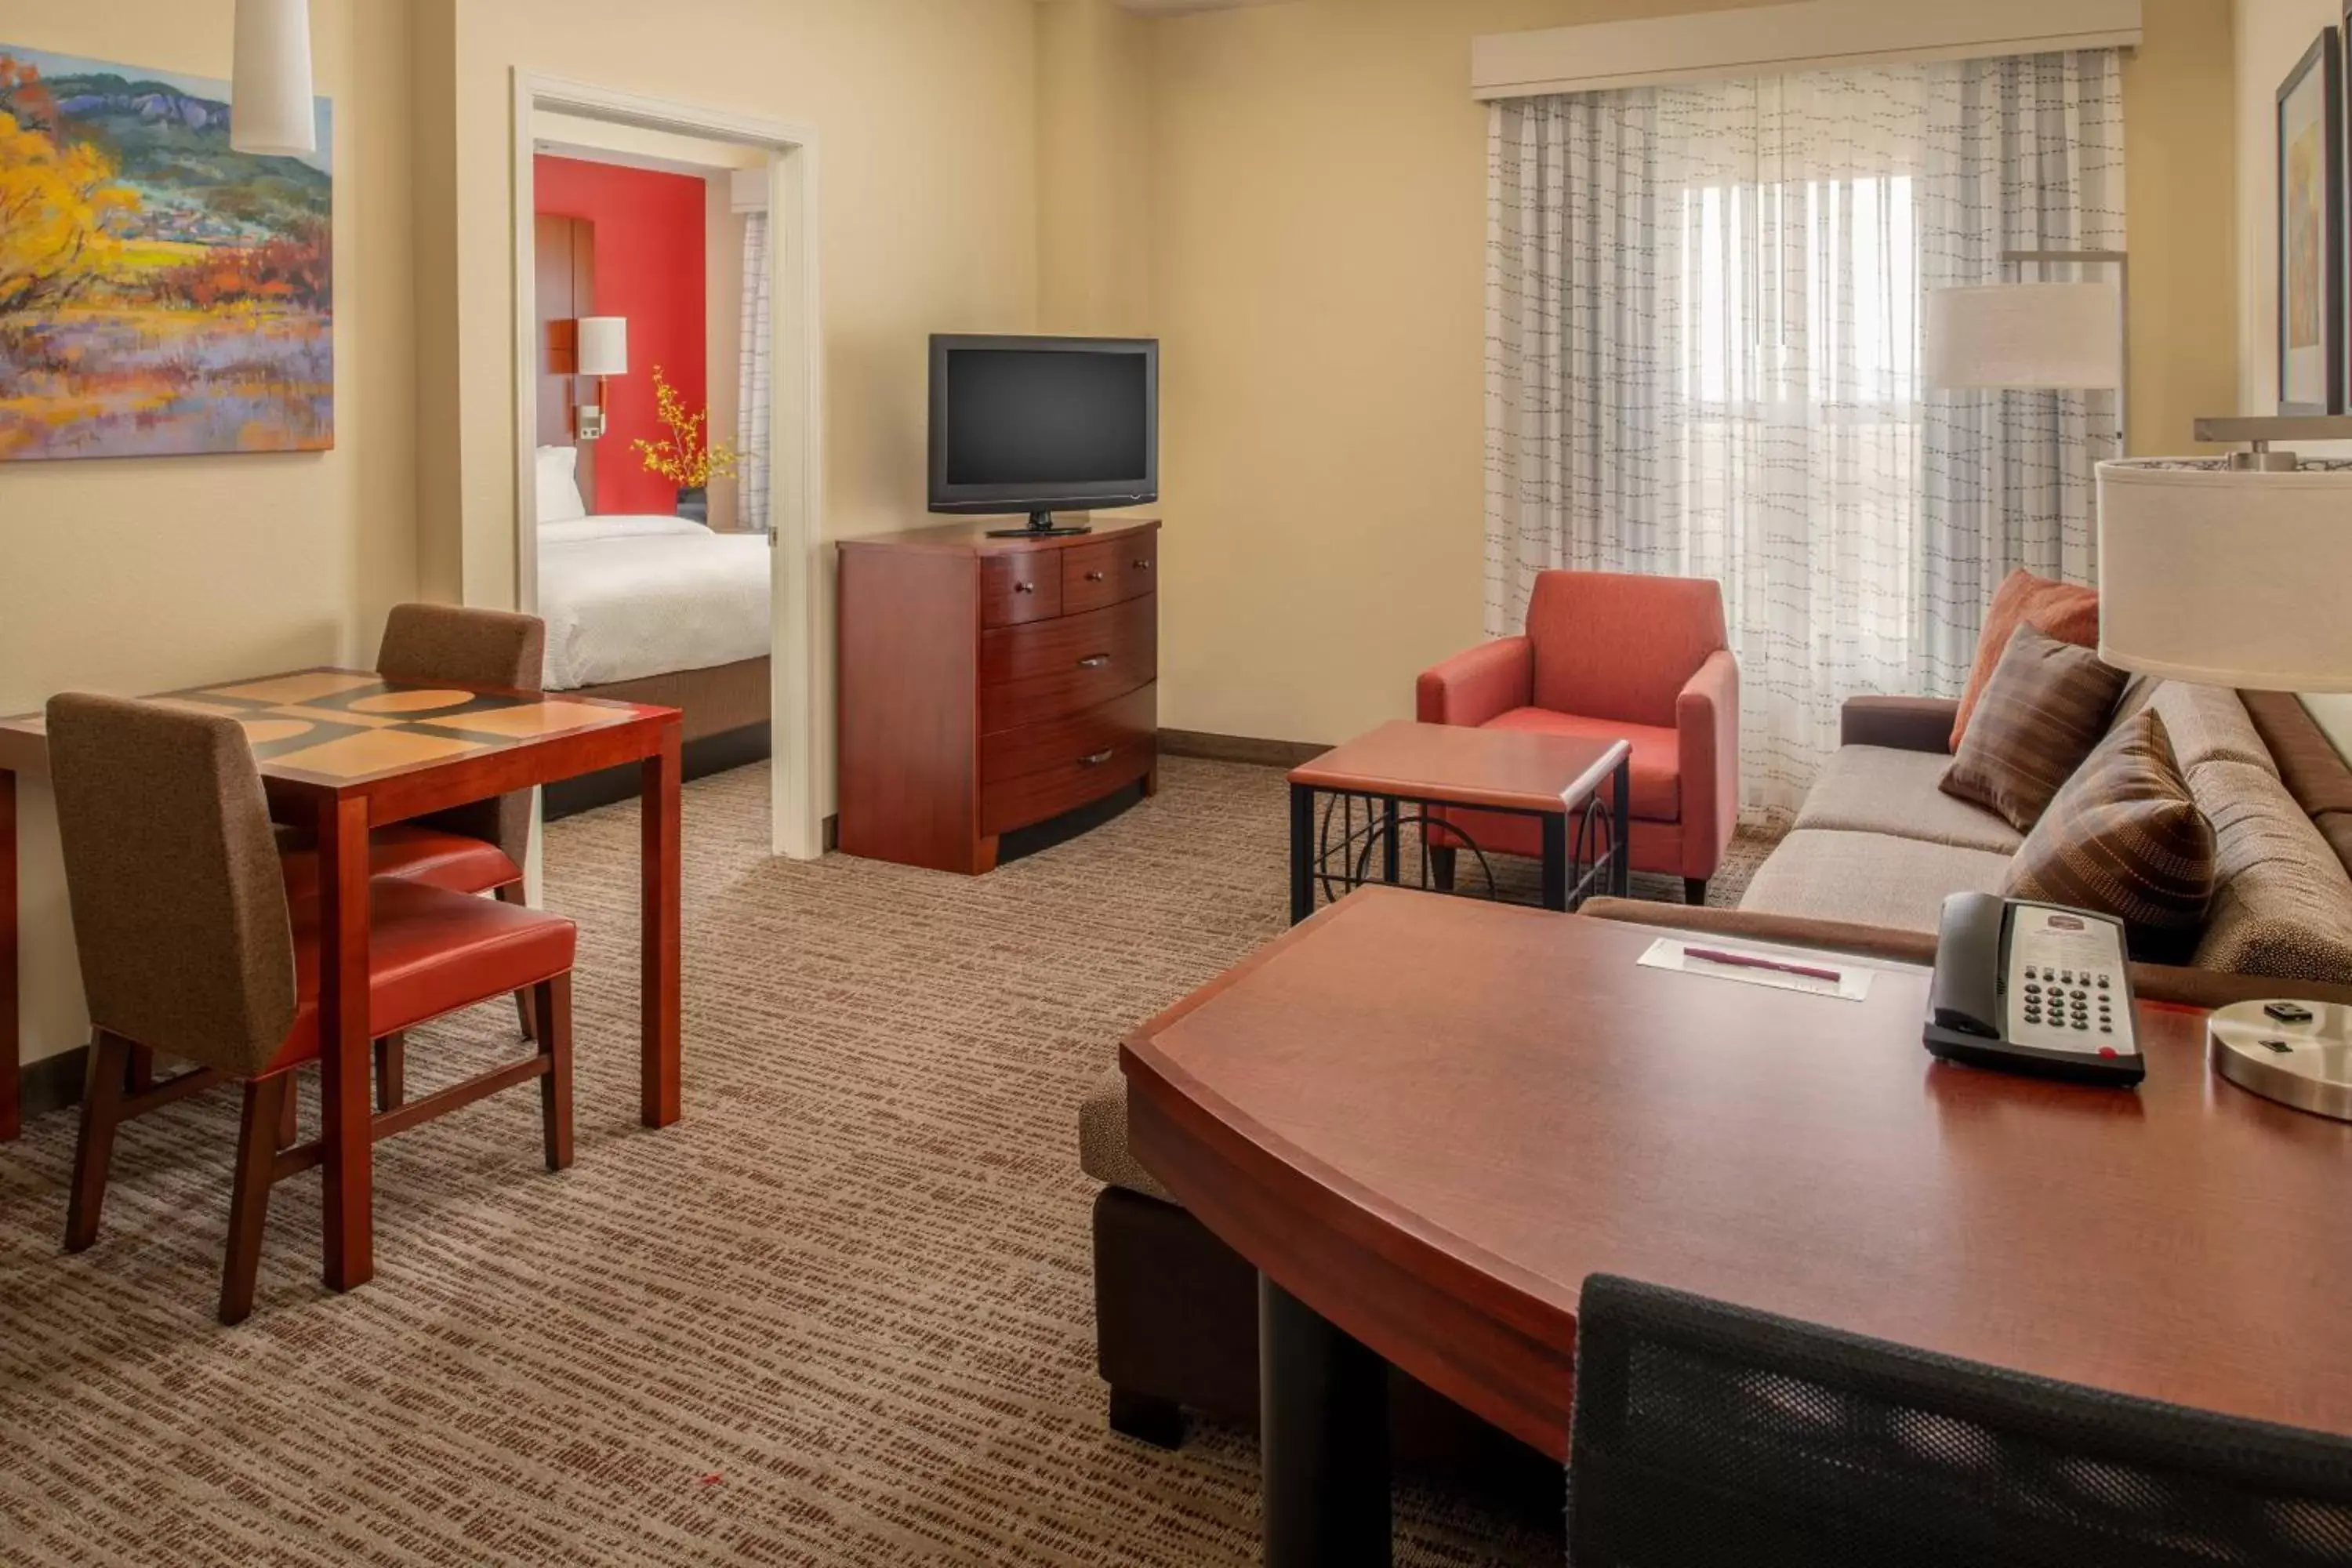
(659, 833)
(344, 1057)
(11, 1045)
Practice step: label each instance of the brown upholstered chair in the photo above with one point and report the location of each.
(478, 847)
(191, 947)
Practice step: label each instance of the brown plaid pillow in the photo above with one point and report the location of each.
(2125, 837)
(2045, 707)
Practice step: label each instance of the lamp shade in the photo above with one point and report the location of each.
(2034, 335)
(604, 346)
(269, 109)
(2226, 577)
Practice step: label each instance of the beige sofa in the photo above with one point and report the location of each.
(1878, 846)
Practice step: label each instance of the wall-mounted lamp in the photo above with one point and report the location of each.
(603, 350)
(270, 111)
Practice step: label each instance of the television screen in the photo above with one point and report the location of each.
(1034, 423)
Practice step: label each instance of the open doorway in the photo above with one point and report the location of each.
(668, 496)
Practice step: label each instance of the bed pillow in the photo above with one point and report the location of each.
(2065, 611)
(559, 485)
(2046, 706)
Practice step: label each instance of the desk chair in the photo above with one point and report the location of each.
(478, 847)
(191, 946)
(1706, 1434)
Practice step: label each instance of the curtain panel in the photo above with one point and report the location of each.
(1704, 355)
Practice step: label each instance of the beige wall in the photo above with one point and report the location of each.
(134, 575)
(2270, 36)
(1094, 168)
(1317, 277)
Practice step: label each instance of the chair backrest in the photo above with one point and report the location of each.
(1616, 645)
(1705, 1435)
(471, 648)
(171, 870)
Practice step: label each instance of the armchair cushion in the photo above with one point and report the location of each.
(1656, 794)
(1619, 645)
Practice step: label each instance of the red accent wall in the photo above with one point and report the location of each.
(650, 229)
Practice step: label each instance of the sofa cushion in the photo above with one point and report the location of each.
(1656, 765)
(2065, 611)
(1869, 878)
(2044, 709)
(1102, 1142)
(2202, 724)
(1877, 789)
(2125, 837)
(2282, 902)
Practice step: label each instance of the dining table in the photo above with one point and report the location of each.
(343, 752)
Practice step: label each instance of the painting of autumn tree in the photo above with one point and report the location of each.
(160, 292)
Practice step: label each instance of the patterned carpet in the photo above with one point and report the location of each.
(840, 1314)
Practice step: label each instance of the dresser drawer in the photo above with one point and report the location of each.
(1109, 570)
(1019, 585)
(1042, 770)
(1053, 668)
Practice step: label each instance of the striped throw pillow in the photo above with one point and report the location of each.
(2046, 706)
(2125, 837)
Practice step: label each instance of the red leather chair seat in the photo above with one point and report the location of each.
(429, 952)
(1656, 764)
(412, 852)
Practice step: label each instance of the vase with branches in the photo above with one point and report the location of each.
(686, 457)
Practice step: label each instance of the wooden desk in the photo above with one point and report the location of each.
(1426, 1121)
(344, 752)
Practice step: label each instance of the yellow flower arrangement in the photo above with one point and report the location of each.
(685, 458)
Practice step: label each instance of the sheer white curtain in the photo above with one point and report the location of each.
(753, 401)
(1703, 357)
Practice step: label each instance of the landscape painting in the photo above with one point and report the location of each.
(160, 294)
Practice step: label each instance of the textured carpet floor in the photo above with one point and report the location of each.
(840, 1314)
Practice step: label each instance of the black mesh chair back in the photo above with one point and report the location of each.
(1706, 1435)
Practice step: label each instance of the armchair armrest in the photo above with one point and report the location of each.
(1484, 683)
(1899, 723)
(1706, 719)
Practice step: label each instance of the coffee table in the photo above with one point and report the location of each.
(1426, 1121)
(1556, 779)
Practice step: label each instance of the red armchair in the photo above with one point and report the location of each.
(1611, 655)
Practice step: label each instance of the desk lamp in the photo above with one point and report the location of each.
(2231, 572)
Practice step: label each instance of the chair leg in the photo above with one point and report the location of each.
(391, 1072)
(555, 1003)
(101, 1110)
(248, 1203)
(512, 893)
(1694, 891)
(290, 1130)
(141, 1076)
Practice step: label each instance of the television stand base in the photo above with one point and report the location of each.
(1041, 526)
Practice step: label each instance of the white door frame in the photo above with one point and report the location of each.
(796, 444)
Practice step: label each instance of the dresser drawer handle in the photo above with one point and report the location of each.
(1024, 587)
(1094, 576)
(1099, 758)
(1144, 565)
(1094, 661)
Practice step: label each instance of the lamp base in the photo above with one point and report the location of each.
(2306, 1065)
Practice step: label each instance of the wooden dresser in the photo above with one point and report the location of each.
(987, 684)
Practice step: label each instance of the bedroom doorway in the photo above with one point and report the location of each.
(653, 237)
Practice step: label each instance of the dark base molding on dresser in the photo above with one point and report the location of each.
(1238, 748)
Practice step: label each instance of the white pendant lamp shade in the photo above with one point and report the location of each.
(604, 346)
(269, 110)
(2032, 335)
(2226, 577)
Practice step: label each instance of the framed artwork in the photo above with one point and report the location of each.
(2310, 123)
(160, 294)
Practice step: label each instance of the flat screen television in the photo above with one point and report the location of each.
(1033, 424)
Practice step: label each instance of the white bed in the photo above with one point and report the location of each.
(626, 598)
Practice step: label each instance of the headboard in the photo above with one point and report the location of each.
(565, 270)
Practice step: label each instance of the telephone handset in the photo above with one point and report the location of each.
(2035, 988)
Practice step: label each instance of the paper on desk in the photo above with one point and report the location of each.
(1852, 984)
